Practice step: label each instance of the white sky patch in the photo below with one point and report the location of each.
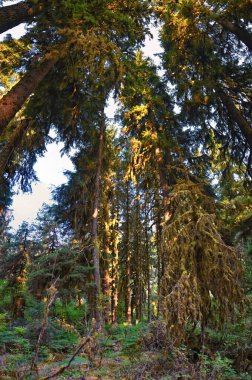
(50, 168)
(26, 206)
(50, 171)
(152, 46)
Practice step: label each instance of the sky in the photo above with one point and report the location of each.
(51, 167)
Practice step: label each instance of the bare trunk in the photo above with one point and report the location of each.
(114, 267)
(95, 241)
(241, 33)
(106, 258)
(128, 260)
(237, 116)
(15, 14)
(147, 254)
(138, 262)
(161, 168)
(160, 260)
(13, 101)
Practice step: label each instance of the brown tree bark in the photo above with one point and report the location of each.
(13, 101)
(94, 230)
(138, 261)
(114, 264)
(15, 14)
(18, 283)
(160, 259)
(106, 255)
(128, 259)
(241, 33)
(147, 255)
(237, 116)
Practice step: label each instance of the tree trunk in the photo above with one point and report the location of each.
(237, 116)
(95, 240)
(15, 14)
(114, 264)
(147, 255)
(18, 283)
(13, 101)
(161, 169)
(128, 258)
(138, 261)
(160, 260)
(241, 33)
(106, 255)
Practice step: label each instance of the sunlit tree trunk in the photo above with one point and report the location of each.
(95, 238)
(13, 101)
(114, 263)
(127, 258)
(158, 233)
(147, 255)
(138, 261)
(105, 262)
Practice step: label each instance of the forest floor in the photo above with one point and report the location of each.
(136, 353)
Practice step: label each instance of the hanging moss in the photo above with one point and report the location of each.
(202, 273)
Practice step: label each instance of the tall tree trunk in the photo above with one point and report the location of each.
(147, 255)
(161, 169)
(15, 14)
(160, 259)
(138, 261)
(13, 101)
(95, 240)
(128, 258)
(241, 33)
(237, 116)
(114, 264)
(106, 291)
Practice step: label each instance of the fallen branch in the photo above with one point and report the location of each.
(62, 369)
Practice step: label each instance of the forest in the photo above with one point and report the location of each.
(141, 267)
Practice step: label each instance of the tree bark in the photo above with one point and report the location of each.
(95, 240)
(147, 255)
(13, 101)
(106, 255)
(114, 264)
(15, 14)
(237, 116)
(138, 261)
(160, 259)
(128, 259)
(241, 33)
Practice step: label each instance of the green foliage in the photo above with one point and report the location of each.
(70, 312)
